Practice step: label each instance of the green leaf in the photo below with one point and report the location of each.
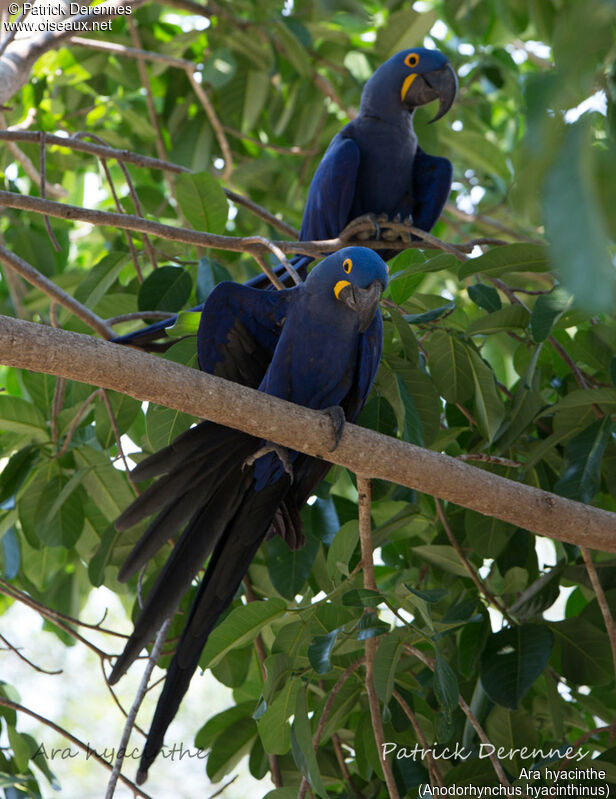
(449, 366)
(20, 416)
(471, 642)
(489, 408)
(228, 749)
(404, 29)
(240, 627)
(499, 321)
(540, 595)
(476, 151)
(445, 684)
(485, 297)
(257, 87)
(508, 258)
(429, 316)
(362, 598)
(547, 310)
(302, 748)
(585, 656)
(290, 568)
(124, 409)
(16, 471)
(273, 725)
(430, 595)
(341, 549)
(605, 398)
(403, 285)
(163, 425)
(166, 289)
(186, 324)
(386, 660)
(412, 429)
(512, 660)
(293, 48)
(100, 278)
(106, 486)
(575, 225)
(320, 650)
(203, 202)
(221, 722)
(511, 730)
(581, 478)
(442, 556)
(485, 534)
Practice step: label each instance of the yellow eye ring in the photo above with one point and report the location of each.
(347, 265)
(411, 60)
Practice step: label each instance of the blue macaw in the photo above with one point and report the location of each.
(317, 344)
(374, 165)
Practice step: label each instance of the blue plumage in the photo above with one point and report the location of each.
(374, 164)
(317, 344)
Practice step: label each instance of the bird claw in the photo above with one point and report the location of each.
(269, 446)
(362, 228)
(336, 414)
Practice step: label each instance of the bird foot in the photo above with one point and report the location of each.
(397, 229)
(336, 414)
(362, 228)
(381, 228)
(269, 446)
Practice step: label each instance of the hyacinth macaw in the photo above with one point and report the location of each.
(374, 165)
(317, 344)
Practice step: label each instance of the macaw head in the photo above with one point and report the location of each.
(409, 79)
(355, 277)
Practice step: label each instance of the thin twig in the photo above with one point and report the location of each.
(85, 406)
(118, 438)
(602, 601)
(364, 492)
(325, 714)
(429, 662)
(7, 588)
(43, 185)
(261, 655)
(481, 587)
(432, 767)
(17, 651)
(214, 121)
(28, 167)
(92, 754)
(132, 713)
(146, 162)
(35, 278)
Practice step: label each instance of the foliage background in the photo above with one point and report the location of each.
(508, 356)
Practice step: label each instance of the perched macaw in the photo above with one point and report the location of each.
(317, 344)
(374, 165)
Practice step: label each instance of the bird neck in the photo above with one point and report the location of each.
(386, 108)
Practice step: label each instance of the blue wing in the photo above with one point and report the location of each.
(331, 193)
(239, 330)
(432, 176)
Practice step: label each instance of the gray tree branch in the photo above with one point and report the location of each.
(142, 376)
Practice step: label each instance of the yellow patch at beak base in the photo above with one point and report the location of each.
(339, 286)
(407, 85)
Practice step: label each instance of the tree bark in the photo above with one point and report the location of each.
(146, 377)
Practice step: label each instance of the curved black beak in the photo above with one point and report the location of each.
(363, 301)
(441, 84)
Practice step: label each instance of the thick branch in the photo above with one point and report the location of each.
(145, 377)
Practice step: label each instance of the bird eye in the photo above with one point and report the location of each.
(347, 265)
(411, 60)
